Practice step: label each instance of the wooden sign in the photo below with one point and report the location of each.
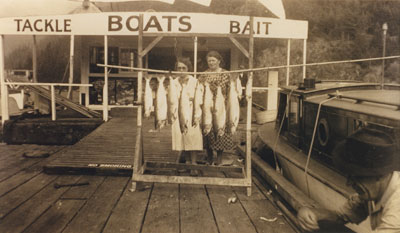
(127, 23)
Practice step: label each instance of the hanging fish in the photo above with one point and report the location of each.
(233, 106)
(173, 99)
(148, 98)
(249, 90)
(208, 105)
(198, 102)
(161, 104)
(185, 111)
(219, 113)
(239, 88)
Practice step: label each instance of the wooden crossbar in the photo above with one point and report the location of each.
(193, 180)
(174, 166)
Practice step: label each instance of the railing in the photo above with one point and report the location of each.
(52, 93)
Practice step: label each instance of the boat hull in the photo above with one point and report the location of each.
(320, 183)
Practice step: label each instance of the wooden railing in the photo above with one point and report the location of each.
(52, 94)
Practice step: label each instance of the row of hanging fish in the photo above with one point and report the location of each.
(208, 111)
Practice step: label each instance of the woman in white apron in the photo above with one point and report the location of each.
(191, 142)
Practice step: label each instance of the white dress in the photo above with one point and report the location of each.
(193, 139)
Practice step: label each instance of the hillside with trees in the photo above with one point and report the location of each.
(338, 30)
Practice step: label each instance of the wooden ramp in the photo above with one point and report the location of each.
(109, 149)
(65, 102)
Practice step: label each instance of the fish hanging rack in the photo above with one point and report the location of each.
(140, 165)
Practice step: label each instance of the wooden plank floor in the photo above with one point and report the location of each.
(30, 203)
(109, 149)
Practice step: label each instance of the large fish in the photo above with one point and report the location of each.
(208, 105)
(148, 98)
(197, 104)
(248, 90)
(233, 106)
(173, 99)
(185, 110)
(239, 88)
(161, 103)
(219, 113)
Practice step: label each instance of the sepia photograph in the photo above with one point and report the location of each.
(199, 116)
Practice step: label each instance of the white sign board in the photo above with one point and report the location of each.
(127, 23)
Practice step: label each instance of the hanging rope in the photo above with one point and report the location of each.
(312, 141)
(249, 70)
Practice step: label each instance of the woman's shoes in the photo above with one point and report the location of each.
(194, 172)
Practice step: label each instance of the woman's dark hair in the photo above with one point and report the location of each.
(184, 60)
(216, 55)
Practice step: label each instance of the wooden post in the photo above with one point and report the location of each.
(140, 73)
(105, 87)
(53, 103)
(71, 65)
(288, 63)
(304, 57)
(137, 159)
(34, 71)
(272, 101)
(195, 56)
(4, 93)
(249, 105)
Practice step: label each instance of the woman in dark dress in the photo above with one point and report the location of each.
(211, 141)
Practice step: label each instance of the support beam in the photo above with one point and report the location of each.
(304, 57)
(140, 73)
(138, 155)
(239, 46)
(288, 63)
(3, 88)
(249, 94)
(53, 103)
(71, 65)
(34, 71)
(150, 46)
(105, 87)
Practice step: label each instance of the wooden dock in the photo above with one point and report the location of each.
(29, 202)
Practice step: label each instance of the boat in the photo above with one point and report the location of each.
(312, 119)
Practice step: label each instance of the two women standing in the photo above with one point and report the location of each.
(192, 141)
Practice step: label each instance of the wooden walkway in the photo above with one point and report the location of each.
(29, 202)
(109, 150)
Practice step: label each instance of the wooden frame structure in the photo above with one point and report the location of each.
(140, 166)
(158, 25)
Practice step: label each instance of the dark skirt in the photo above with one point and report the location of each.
(224, 142)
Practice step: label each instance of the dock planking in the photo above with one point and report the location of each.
(163, 209)
(128, 215)
(26, 213)
(93, 216)
(196, 214)
(110, 148)
(56, 217)
(32, 204)
(230, 217)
